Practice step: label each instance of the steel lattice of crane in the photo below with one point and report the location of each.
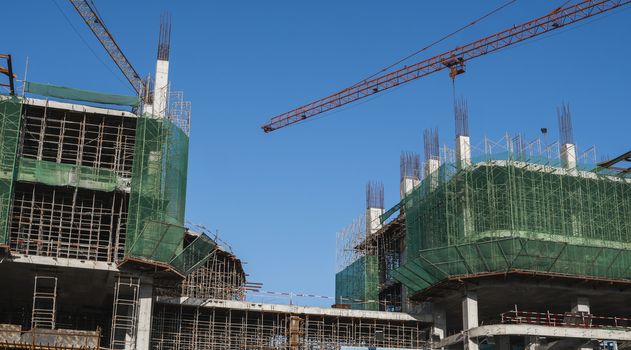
(453, 60)
(97, 26)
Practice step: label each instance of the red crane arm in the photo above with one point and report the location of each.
(454, 60)
(97, 26)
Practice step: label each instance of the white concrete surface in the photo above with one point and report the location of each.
(463, 151)
(61, 262)
(469, 319)
(373, 224)
(161, 88)
(292, 309)
(407, 185)
(537, 330)
(145, 313)
(568, 155)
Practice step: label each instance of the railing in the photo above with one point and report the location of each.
(568, 319)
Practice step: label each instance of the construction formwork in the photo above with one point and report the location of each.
(517, 211)
(227, 328)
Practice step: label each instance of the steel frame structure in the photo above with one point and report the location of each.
(453, 60)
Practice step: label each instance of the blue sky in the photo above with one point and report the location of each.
(279, 198)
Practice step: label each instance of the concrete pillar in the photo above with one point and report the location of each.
(530, 342)
(580, 304)
(431, 172)
(463, 151)
(469, 318)
(503, 342)
(431, 165)
(439, 317)
(568, 155)
(145, 313)
(407, 185)
(373, 224)
(161, 88)
(586, 346)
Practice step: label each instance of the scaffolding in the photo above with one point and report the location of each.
(220, 277)
(44, 302)
(357, 277)
(188, 327)
(10, 110)
(158, 190)
(68, 222)
(517, 210)
(86, 140)
(125, 312)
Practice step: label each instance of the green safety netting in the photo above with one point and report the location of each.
(194, 255)
(59, 174)
(155, 228)
(457, 212)
(510, 254)
(80, 95)
(358, 284)
(10, 110)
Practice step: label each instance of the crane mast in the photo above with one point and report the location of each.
(454, 60)
(99, 29)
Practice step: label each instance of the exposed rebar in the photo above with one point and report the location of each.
(566, 132)
(410, 165)
(461, 115)
(430, 144)
(374, 195)
(164, 37)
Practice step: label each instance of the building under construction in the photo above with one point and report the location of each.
(94, 248)
(509, 244)
(512, 244)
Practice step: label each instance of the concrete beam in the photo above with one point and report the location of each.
(537, 330)
(61, 262)
(293, 309)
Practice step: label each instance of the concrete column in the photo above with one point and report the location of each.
(586, 346)
(568, 155)
(431, 165)
(463, 151)
(145, 313)
(580, 304)
(373, 224)
(439, 328)
(530, 342)
(469, 318)
(503, 342)
(407, 185)
(161, 88)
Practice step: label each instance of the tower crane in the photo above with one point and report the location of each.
(453, 60)
(96, 24)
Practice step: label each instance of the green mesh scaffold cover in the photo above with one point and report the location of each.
(67, 93)
(358, 284)
(59, 174)
(155, 228)
(509, 215)
(10, 111)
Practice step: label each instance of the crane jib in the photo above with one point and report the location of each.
(453, 60)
